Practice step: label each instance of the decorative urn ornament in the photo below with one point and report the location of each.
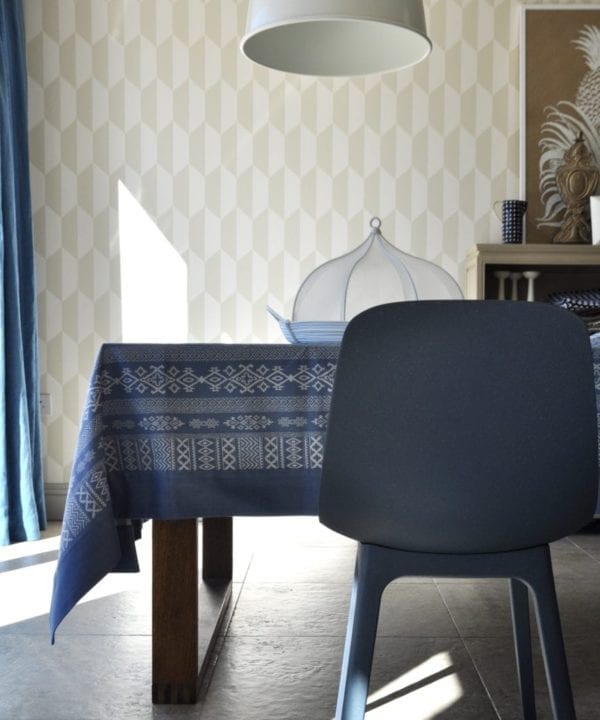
(577, 179)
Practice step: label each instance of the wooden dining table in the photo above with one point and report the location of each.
(188, 436)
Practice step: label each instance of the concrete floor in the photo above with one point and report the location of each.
(444, 648)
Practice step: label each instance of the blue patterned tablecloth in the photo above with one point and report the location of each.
(183, 431)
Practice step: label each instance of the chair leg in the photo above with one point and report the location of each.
(519, 601)
(360, 636)
(377, 566)
(541, 583)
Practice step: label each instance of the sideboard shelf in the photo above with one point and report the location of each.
(561, 267)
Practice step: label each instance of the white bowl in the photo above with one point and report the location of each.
(314, 332)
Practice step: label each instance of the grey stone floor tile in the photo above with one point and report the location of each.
(479, 609)
(25, 595)
(302, 565)
(297, 679)
(277, 531)
(500, 582)
(120, 613)
(483, 610)
(579, 606)
(82, 678)
(583, 658)
(17, 563)
(589, 536)
(279, 678)
(589, 542)
(280, 610)
(571, 563)
(494, 658)
(414, 610)
(426, 678)
(304, 610)
(119, 604)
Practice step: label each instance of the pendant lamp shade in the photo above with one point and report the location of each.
(336, 37)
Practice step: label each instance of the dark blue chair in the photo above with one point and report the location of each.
(462, 440)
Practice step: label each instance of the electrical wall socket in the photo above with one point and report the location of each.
(45, 404)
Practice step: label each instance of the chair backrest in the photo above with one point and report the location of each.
(461, 426)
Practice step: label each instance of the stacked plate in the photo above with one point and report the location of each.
(310, 333)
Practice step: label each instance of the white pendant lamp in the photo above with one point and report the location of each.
(336, 37)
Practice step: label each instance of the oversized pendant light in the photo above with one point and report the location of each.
(336, 37)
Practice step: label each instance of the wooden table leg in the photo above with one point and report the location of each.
(217, 548)
(182, 646)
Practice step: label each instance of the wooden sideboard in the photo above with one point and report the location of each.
(561, 267)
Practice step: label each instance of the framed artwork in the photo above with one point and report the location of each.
(560, 100)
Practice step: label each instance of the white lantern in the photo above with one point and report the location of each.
(374, 273)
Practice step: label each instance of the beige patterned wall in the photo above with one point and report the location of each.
(151, 135)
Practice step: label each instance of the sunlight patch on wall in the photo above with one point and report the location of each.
(154, 279)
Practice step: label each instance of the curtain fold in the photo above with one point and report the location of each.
(22, 511)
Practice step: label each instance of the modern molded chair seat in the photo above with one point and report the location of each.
(462, 440)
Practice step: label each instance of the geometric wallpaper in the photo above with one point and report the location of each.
(150, 134)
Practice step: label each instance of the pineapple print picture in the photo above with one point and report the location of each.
(561, 98)
(588, 92)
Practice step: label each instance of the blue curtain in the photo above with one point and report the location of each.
(22, 512)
